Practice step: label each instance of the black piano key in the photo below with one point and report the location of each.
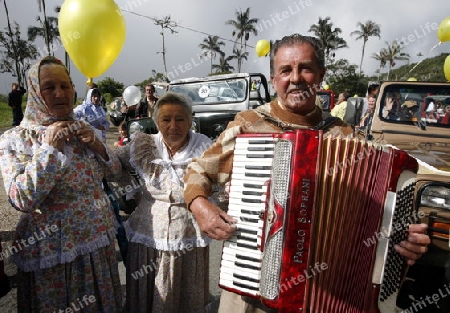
(261, 142)
(246, 238)
(247, 231)
(248, 266)
(258, 167)
(252, 186)
(249, 220)
(242, 277)
(259, 156)
(257, 175)
(247, 258)
(246, 200)
(252, 193)
(243, 245)
(260, 148)
(237, 284)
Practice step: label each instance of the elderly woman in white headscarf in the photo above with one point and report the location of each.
(167, 260)
(52, 167)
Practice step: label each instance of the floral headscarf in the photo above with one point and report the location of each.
(36, 113)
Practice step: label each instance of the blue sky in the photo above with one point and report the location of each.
(414, 21)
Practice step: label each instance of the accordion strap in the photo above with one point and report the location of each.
(326, 122)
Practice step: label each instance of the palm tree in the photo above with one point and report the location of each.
(393, 53)
(328, 37)
(211, 45)
(48, 30)
(224, 66)
(369, 29)
(244, 26)
(382, 58)
(239, 55)
(165, 23)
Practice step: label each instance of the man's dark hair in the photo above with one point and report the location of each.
(372, 88)
(298, 39)
(346, 95)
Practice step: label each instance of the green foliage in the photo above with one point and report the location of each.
(431, 69)
(342, 76)
(6, 112)
(110, 86)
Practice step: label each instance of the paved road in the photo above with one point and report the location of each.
(9, 218)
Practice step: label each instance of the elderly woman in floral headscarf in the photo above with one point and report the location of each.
(52, 167)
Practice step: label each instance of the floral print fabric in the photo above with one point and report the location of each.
(68, 221)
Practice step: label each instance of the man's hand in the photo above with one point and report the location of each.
(212, 220)
(416, 244)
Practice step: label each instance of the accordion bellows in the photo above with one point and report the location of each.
(318, 216)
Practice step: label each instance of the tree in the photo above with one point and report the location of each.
(380, 57)
(239, 55)
(48, 30)
(165, 23)
(343, 77)
(223, 66)
(328, 37)
(393, 53)
(109, 85)
(211, 45)
(16, 53)
(244, 26)
(369, 29)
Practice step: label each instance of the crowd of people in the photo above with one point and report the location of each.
(56, 162)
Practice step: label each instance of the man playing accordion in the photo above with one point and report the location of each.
(297, 68)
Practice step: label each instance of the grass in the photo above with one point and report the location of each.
(6, 114)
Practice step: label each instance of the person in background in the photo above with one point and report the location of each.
(123, 136)
(341, 107)
(368, 115)
(92, 112)
(164, 238)
(297, 67)
(146, 106)
(372, 91)
(15, 102)
(52, 166)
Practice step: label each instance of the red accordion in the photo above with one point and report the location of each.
(318, 216)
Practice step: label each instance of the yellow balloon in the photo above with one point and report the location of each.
(93, 33)
(447, 68)
(262, 47)
(444, 30)
(326, 87)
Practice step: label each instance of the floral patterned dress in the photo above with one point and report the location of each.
(64, 241)
(167, 260)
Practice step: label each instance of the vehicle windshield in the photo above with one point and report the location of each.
(210, 92)
(416, 104)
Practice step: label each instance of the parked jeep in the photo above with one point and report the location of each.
(415, 117)
(217, 99)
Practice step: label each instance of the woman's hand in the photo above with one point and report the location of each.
(86, 135)
(58, 133)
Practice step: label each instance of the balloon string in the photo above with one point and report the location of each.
(420, 61)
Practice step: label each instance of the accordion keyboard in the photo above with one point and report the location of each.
(241, 259)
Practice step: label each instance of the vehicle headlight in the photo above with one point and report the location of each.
(436, 197)
(134, 127)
